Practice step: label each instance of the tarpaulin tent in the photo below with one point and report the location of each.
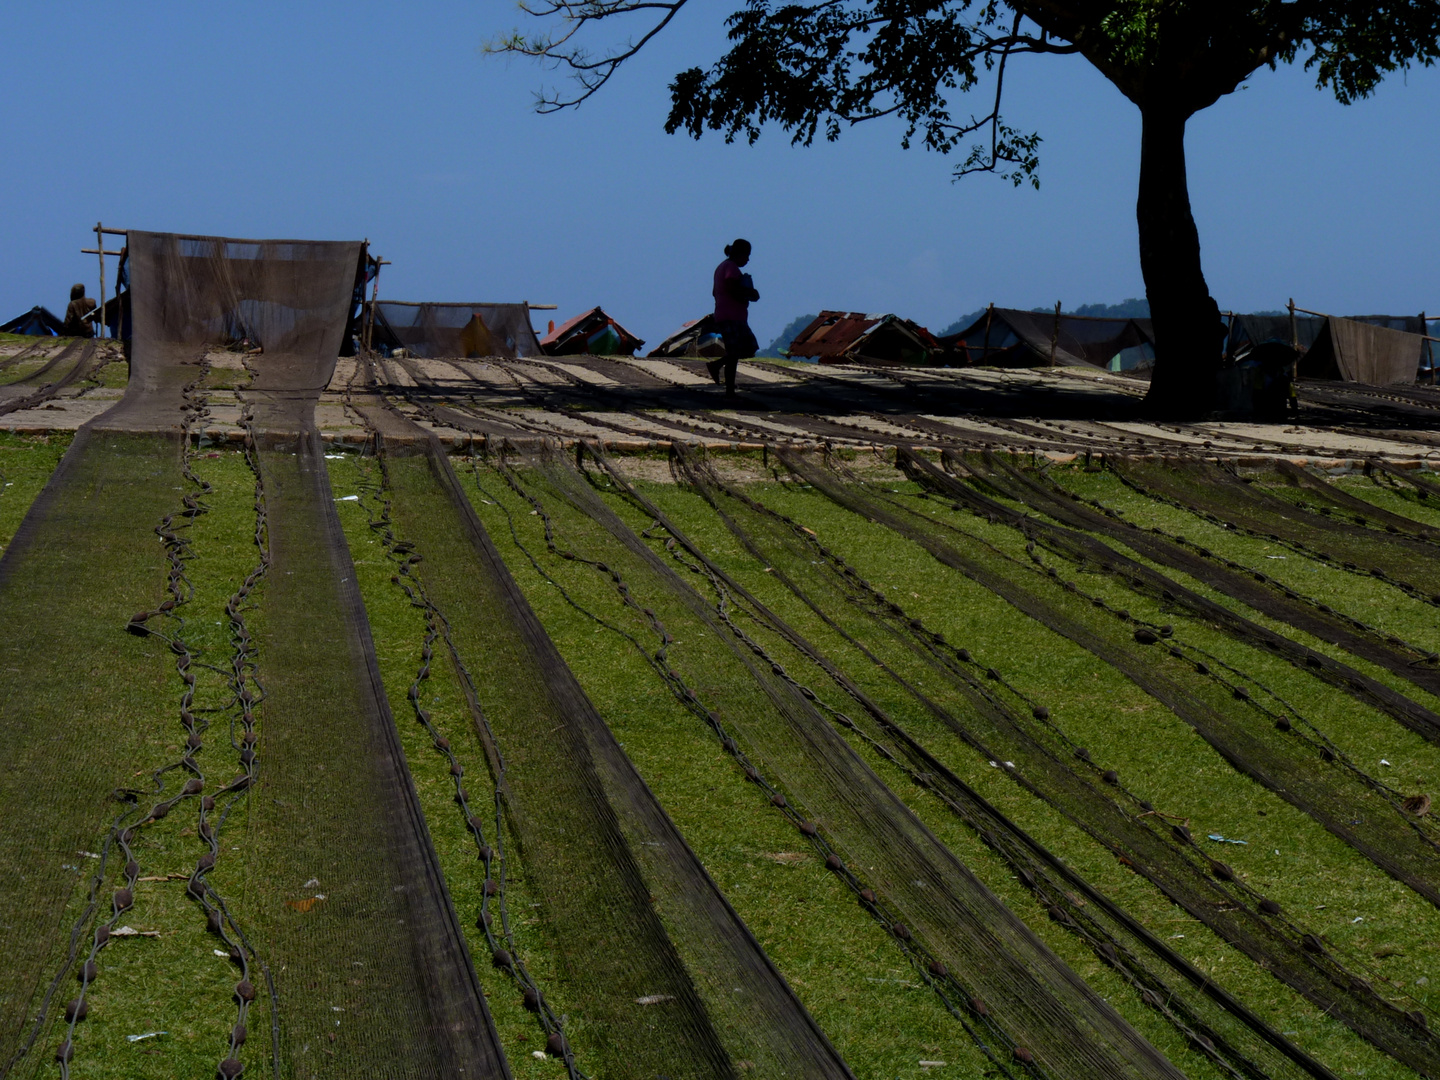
(454, 330)
(591, 332)
(37, 322)
(837, 337)
(1007, 337)
(1365, 351)
(1249, 331)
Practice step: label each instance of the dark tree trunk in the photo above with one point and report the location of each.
(1188, 331)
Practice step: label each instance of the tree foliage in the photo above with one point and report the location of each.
(816, 68)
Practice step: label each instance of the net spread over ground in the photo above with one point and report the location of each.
(425, 715)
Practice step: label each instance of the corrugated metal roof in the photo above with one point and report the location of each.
(851, 334)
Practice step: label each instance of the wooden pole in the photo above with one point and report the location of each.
(100, 245)
(985, 352)
(1055, 333)
(1294, 327)
(374, 300)
(1429, 346)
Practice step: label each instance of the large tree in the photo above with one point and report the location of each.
(816, 68)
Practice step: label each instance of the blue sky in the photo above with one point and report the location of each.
(386, 121)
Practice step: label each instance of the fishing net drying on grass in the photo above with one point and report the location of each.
(955, 688)
(339, 810)
(336, 812)
(63, 369)
(656, 968)
(909, 655)
(1330, 498)
(77, 699)
(992, 972)
(1257, 590)
(1308, 774)
(1408, 563)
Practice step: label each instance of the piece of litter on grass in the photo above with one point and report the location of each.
(348, 498)
(994, 764)
(654, 999)
(1174, 937)
(1357, 918)
(337, 1008)
(1226, 840)
(786, 858)
(130, 931)
(1274, 556)
(313, 883)
(1009, 764)
(87, 854)
(538, 1054)
(220, 952)
(1384, 762)
(328, 457)
(147, 1035)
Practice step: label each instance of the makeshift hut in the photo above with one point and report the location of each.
(37, 322)
(1248, 332)
(1008, 337)
(842, 337)
(591, 332)
(697, 337)
(453, 330)
(1371, 349)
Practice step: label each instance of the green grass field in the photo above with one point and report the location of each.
(845, 969)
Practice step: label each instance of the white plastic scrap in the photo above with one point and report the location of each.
(348, 498)
(1226, 840)
(147, 1035)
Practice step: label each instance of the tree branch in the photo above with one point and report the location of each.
(589, 73)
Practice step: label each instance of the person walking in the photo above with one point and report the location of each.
(734, 291)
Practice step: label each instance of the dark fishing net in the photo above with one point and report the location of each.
(912, 657)
(337, 812)
(458, 330)
(1306, 773)
(1406, 562)
(1016, 997)
(65, 368)
(629, 909)
(1253, 588)
(77, 706)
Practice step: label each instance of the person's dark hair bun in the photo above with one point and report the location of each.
(731, 250)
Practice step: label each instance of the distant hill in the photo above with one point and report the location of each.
(961, 323)
(789, 334)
